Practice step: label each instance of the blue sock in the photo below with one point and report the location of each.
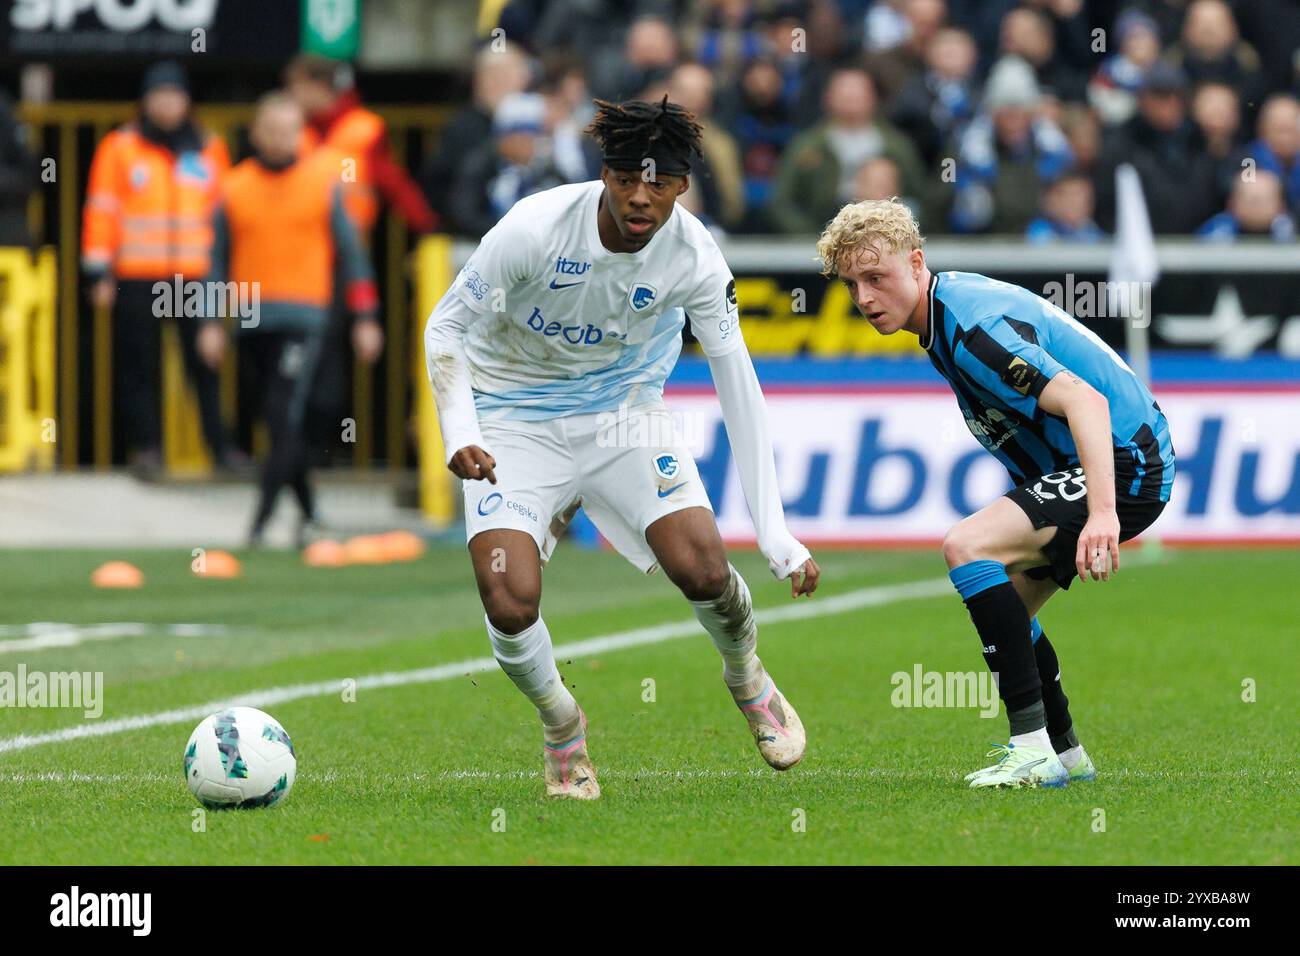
(976, 576)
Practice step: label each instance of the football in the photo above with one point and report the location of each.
(240, 757)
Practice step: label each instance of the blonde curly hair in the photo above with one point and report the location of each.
(884, 224)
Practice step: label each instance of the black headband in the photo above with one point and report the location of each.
(667, 162)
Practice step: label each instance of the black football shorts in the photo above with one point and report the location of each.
(1060, 500)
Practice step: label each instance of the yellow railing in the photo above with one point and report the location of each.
(433, 274)
(28, 428)
(58, 127)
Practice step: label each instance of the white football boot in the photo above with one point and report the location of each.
(567, 766)
(1020, 767)
(776, 727)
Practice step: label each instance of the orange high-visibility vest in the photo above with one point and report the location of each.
(353, 136)
(148, 211)
(279, 222)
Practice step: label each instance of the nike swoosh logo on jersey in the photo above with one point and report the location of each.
(564, 285)
(665, 492)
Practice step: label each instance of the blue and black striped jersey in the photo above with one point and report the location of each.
(998, 345)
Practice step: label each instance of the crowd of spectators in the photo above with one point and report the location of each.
(986, 116)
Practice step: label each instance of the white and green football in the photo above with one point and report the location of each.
(240, 757)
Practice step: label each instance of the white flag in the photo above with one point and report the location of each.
(1133, 258)
(1134, 268)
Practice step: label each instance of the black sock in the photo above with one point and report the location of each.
(1000, 617)
(1002, 621)
(1059, 725)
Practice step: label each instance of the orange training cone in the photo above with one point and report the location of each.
(402, 545)
(219, 564)
(324, 554)
(117, 574)
(365, 549)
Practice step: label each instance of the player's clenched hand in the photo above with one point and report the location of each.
(473, 463)
(1098, 550)
(809, 572)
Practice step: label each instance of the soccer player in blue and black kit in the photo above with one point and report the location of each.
(1085, 442)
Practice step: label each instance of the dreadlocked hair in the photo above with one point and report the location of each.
(638, 127)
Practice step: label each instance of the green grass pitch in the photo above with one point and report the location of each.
(428, 772)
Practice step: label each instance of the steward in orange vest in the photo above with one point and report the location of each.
(281, 237)
(148, 219)
(336, 120)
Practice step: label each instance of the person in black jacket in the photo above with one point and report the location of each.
(515, 163)
(1166, 148)
(496, 76)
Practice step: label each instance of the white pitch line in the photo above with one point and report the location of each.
(45, 635)
(268, 697)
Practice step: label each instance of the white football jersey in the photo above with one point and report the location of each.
(564, 326)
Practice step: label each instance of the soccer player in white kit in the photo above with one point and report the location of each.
(566, 319)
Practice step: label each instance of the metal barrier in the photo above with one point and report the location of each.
(60, 133)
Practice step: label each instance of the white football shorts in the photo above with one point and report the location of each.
(627, 469)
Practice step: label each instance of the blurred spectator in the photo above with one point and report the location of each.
(282, 227)
(895, 67)
(1165, 147)
(715, 175)
(148, 219)
(1168, 14)
(497, 74)
(1211, 50)
(1082, 131)
(724, 36)
(1272, 27)
(324, 90)
(763, 127)
(1029, 33)
(1113, 90)
(18, 177)
(832, 41)
(1067, 212)
(1006, 155)
(1071, 22)
(517, 163)
(1255, 208)
(886, 26)
(649, 54)
(877, 178)
(596, 27)
(816, 174)
(1277, 149)
(804, 59)
(934, 106)
(880, 178)
(1216, 112)
(568, 111)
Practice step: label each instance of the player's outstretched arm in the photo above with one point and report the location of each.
(745, 414)
(448, 368)
(1087, 412)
